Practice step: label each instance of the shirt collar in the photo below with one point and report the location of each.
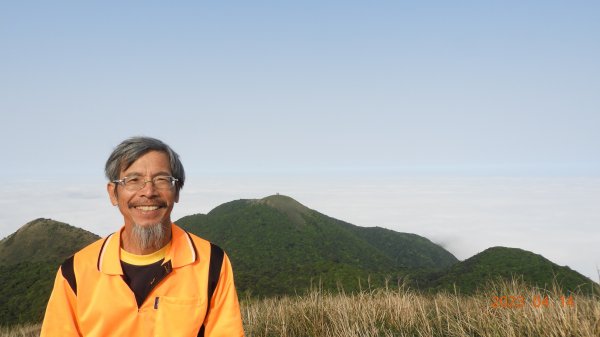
(182, 252)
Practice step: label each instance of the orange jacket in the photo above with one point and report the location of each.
(101, 304)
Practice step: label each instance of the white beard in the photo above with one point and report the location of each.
(148, 237)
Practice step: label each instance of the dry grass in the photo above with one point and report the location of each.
(403, 312)
(30, 330)
(406, 313)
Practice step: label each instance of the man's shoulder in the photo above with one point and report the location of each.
(181, 235)
(201, 244)
(92, 250)
(180, 232)
(197, 239)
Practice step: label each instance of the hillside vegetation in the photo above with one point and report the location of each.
(43, 240)
(279, 246)
(506, 263)
(29, 259)
(403, 312)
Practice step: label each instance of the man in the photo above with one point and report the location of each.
(150, 278)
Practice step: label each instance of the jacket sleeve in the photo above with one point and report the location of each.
(61, 313)
(224, 318)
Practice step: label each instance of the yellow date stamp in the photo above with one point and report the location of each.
(536, 301)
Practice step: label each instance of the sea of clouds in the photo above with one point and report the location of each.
(557, 217)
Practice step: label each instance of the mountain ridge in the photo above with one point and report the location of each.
(297, 240)
(507, 263)
(30, 242)
(29, 260)
(279, 246)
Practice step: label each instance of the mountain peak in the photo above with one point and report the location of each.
(32, 227)
(283, 202)
(43, 240)
(508, 263)
(286, 205)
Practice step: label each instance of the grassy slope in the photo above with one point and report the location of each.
(402, 312)
(278, 246)
(43, 240)
(506, 263)
(29, 259)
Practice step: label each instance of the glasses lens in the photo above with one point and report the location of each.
(137, 183)
(133, 183)
(162, 182)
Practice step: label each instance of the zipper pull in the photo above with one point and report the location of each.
(156, 303)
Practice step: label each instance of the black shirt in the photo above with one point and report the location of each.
(142, 279)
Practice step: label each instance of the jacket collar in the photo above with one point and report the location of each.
(182, 252)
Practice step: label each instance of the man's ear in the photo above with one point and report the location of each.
(176, 196)
(111, 188)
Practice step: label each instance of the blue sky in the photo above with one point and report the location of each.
(305, 92)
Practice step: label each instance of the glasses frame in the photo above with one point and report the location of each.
(123, 182)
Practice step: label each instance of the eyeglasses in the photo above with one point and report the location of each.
(136, 183)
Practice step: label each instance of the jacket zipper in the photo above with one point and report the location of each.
(167, 269)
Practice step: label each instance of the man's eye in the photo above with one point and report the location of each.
(162, 179)
(132, 180)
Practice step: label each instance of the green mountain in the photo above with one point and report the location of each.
(279, 246)
(43, 240)
(508, 263)
(29, 259)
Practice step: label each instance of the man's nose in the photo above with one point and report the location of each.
(148, 188)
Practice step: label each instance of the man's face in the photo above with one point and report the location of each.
(148, 206)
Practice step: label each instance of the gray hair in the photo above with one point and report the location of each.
(133, 148)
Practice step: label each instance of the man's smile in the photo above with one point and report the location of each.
(147, 208)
